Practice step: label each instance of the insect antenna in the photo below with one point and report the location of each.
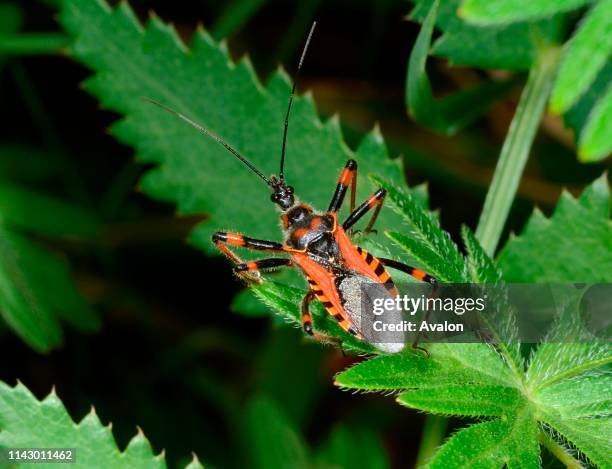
(281, 173)
(212, 135)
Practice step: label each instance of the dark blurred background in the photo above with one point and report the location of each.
(171, 357)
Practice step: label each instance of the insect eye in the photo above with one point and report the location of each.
(290, 189)
(274, 197)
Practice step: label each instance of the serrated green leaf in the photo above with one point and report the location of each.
(26, 209)
(594, 143)
(449, 364)
(425, 241)
(36, 291)
(352, 448)
(26, 422)
(581, 61)
(466, 399)
(585, 396)
(574, 245)
(481, 267)
(483, 12)
(450, 114)
(591, 436)
(194, 464)
(510, 47)
(569, 349)
(274, 442)
(512, 441)
(500, 322)
(554, 362)
(202, 82)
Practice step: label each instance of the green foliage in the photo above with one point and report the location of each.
(585, 57)
(352, 448)
(481, 267)
(512, 35)
(25, 209)
(594, 142)
(510, 47)
(450, 114)
(36, 288)
(473, 380)
(582, 62)
(274, 442)
(12, 42)
(192, 170)
(26, 422)
(509, 11)
(563, 386)
(32, 43)
(581, 116)
(36, 292)
(511, 441)
(521, 400)
(277, 444)
(11, 19)
(574, 245)
(424, 240)
(234, 15)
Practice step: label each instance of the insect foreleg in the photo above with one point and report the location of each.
(224, 240)
(375, 202)
(255, 266)
(236, 239)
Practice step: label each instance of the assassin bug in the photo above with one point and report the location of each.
(317, 243)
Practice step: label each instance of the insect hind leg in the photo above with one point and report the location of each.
(421, 276)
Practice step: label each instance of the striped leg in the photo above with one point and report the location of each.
(421, 276)
(348, 176)
(223, 240)
(307, 322)
(412, 271)
(374, 201)
(255, 266)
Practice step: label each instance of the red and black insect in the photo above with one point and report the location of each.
(317, 243)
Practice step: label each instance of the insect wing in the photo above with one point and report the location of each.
(376, 318)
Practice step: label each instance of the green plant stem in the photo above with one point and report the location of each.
(33, 43)
(558, 451)
(433, 434)
(515, 150)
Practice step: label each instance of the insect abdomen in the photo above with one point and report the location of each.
(339, 314)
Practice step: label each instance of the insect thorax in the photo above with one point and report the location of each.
(313, 232)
